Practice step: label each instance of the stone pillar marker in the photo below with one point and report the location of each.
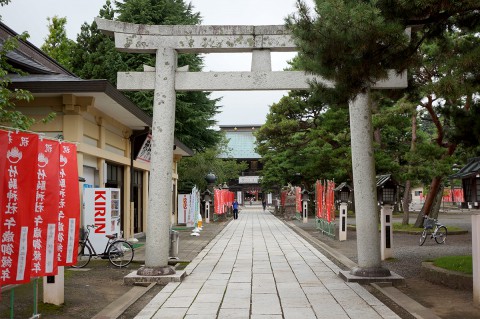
(364, 187)
(158, 218)
(386, 231)
(342, 232)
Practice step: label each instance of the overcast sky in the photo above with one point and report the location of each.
(237, 107)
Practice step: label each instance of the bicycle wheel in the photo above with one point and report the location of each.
(441, 235)
(120, 253)
(84, 255)
(423, 237)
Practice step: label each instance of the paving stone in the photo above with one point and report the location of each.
(266, 304)
(258, 268)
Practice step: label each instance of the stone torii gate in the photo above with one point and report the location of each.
(165, 79)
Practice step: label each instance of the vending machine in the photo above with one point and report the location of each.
(102, 209)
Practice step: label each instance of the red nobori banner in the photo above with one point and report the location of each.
(319, 198)
(329, 199)
(283, 198)
(44, 260)
(69, 206)
(18, 203)
(298, 199)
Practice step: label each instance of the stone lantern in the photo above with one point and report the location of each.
(387, 198)
(305, 200)
(343, 198)
(210, 178)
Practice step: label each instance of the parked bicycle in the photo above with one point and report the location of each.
(117, 250)
(432, 228)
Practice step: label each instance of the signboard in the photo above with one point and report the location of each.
(249, 179)
(239, 197)
(144, 154)
(183, 208)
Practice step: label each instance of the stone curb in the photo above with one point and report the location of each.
(449, 278)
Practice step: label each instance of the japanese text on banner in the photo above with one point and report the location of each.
(18, 203)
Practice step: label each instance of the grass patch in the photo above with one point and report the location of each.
(410, 227)
(461, 264)
(137, 245)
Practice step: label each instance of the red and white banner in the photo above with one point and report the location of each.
(44, 261)
(329, 201)
(68, 206)
(222, 199)
(324, 196)
(18, 203)
(319, 199)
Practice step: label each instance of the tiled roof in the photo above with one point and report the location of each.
(241, 145)
(472, 168)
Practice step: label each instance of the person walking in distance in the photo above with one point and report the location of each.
(264, 204)
(235, 209)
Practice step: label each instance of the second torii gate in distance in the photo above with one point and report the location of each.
(165, 79)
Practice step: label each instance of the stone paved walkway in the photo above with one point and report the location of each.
(257, 267)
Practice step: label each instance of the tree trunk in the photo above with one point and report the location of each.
(405, 203)
(437, 203)
(435, 186)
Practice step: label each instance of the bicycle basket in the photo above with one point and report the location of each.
(429, 223)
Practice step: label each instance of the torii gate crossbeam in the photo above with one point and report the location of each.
(166, 78)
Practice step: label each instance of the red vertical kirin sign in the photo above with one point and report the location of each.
(44, 260)
(69, 206)
(18, 202)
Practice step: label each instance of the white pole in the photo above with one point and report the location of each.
(54, 289)
(305, 211)
(476, 258)
(207, 211)
(386, 231)
(342, 231)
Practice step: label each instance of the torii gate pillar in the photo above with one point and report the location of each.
(163, 126)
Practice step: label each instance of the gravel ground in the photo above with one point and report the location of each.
(407, 259)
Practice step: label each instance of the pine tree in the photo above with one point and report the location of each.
(354, 43)
(95, 57)
(57, 45)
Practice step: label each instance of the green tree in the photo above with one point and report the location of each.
(95, 56)
(354, 43)
(304, 136)
(8, 114)
(57, 45)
